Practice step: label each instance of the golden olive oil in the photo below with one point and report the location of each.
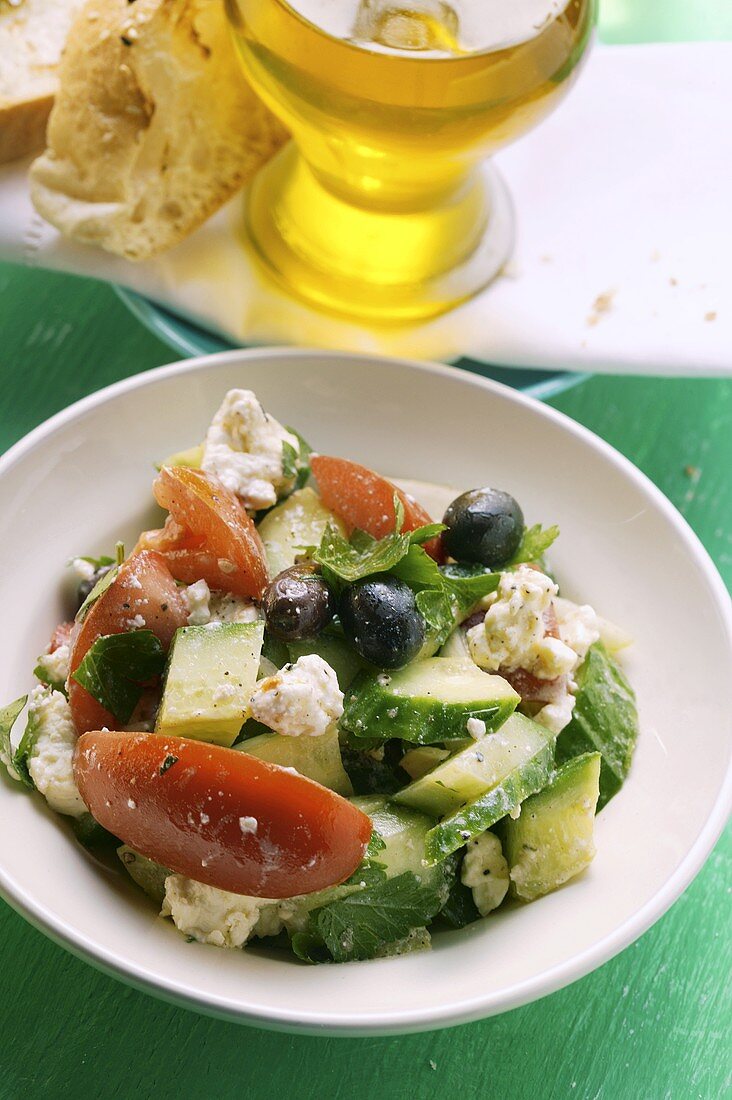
(381, 209)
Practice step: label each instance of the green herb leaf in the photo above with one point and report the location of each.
(8, 717)
(98, 590)
(469, 584)
(297, 463)
(535, 541)
(604, 720)
(437, 610)
(96, 563)
(388, 910)
(289, 460)
(375, 845)
(459, 909)
(167, 763)
(424, 534)
(41, 673)
(115, 668)
(23, 751)
(444, 594)
(369, 776)
(349, 561)
(309, 947)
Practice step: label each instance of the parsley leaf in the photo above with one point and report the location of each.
(309, 947)
(296, 463)
(358, 926)
(98, 590)
(344, 561)
(444, 594)
(468, 584)
(8, 755)
(375, 844)
(437, 610)
(289, 460)
(347, 560)
(534, 542)
(115, 668)
(41, 673)
(97, 563)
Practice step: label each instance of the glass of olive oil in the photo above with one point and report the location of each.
(385, 207)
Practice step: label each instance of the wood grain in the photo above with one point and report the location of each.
(652, 1024)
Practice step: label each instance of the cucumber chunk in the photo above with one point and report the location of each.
(478, 768)
(552, 839)
(525, 772)
(457, 646)
(403, 832)
(318, 758)
(211, 674)
(604, 720)
(299, 521)
(148, 875)
(191, 457)
(417, 762)
(428, 701)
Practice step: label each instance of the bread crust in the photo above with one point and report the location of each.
(23, 127)
(154, 126)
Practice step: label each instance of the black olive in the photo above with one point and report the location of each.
(483, 525)
(298, 604)
(85, 586)
(380, 619)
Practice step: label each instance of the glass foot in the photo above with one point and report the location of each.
(381, 266)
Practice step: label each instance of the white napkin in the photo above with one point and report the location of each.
(624, 254)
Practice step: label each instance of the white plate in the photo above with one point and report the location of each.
(83, 479)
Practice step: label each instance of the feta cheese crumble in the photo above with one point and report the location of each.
(475, 727)
(205, 606)
(299, 700)
(196, 597)
(519, 634)
(244, 450)
(248, 825)
(84, 570)
(485, 871)
(513, 634)
(55, 666)
(223, 919)
(50, 761)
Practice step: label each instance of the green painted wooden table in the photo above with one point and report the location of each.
(654, 1023)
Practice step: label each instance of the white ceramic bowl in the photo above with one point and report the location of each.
(82, 480)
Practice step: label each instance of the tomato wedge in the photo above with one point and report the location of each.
(215, 539)
(220, 816)
(61, 636)
(172, 536)
(365, 499)
(144, 586)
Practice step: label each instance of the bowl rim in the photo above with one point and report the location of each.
(462, 1010)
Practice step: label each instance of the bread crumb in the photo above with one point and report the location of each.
(711, 315)
(511, 270)
(602, 304)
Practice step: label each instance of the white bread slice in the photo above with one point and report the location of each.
(32, 35)
(154, 126)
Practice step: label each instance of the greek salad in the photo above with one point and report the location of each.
(302, 709)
